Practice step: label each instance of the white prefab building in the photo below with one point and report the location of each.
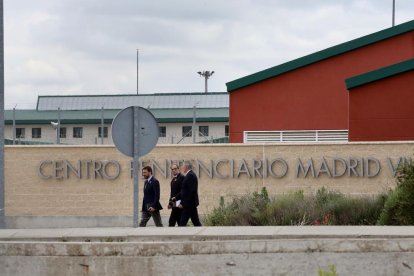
(82, 117)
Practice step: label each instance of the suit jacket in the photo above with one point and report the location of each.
(151, 195)
(189, 191)
(176, 184)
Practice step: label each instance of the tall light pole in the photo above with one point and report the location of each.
(393, 13)
(137, 71)
(206, 75)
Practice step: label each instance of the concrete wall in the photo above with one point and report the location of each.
(295, 250)
(93, 195)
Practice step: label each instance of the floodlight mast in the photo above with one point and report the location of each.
(206, 75)
(393, 13)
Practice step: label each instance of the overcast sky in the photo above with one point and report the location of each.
(66, 47)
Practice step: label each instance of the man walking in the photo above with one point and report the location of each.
(189, 196)
(176, 183)
(151, 203)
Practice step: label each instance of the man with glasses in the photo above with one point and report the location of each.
(176, 182)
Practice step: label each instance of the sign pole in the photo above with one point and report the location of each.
(2, 198)
(136, 168)
(135, 133)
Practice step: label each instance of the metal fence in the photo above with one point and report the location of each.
(95, 140)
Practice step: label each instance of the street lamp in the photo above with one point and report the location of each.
(206, 75)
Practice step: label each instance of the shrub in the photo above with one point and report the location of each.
(290, 209)
(356, 211)
(399, 207)
(244, 210)
(323, 208)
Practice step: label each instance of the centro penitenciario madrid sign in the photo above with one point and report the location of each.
(278, 168)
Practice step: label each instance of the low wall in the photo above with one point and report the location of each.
(291, 250)
(93, 184)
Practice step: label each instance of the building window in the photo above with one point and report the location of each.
(163, 131)
(226, 130)
(20, 133)
(203, 130)
(62, 132)
(187, 131)
(105, 132)
(36, 132)
(77, 132)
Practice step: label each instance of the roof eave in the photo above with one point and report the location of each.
(319, 56)
(379, 74)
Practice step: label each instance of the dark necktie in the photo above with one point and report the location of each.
(145, 184)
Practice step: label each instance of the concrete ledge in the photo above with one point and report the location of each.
(353, 250)
(146, 249)
(205, 233)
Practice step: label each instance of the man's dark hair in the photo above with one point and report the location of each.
(148, 169)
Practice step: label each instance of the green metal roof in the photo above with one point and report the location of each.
(379, 74)
(94, 116)
(321, 55)
(118, 102)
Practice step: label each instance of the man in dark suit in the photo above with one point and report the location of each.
(176, 183)
(189, 196)
(151, 203)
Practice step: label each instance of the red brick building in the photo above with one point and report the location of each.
(310, 93)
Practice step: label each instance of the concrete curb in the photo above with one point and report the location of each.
(205, 233)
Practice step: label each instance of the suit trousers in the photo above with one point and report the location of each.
(175, 217)
(147, 215)
(188, 213)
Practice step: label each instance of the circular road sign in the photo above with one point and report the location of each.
(123, 131)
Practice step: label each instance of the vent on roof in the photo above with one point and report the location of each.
(295, 136)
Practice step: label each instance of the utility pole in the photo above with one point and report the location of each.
(206, 75)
